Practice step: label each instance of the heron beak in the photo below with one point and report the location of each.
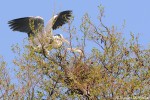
(64, 40)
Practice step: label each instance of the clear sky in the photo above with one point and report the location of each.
(136, 13)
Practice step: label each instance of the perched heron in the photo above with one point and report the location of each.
(40, 36)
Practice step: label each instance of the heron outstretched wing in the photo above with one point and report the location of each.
(29, 25)
(62, 18)
(58, 20)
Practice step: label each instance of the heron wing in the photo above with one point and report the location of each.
(61, 19)
(29, 25)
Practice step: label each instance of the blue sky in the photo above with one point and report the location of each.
(136, 13)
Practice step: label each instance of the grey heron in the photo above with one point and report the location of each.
(38, 34)
(76, 50)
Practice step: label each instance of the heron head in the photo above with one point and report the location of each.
(60, 36)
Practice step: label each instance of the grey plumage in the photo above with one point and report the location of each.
(29, 25)
(62, 18)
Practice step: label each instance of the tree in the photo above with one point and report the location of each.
(113, 69)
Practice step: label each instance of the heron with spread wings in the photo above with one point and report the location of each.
(40, 36)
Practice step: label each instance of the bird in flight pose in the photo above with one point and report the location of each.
(40, 36)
